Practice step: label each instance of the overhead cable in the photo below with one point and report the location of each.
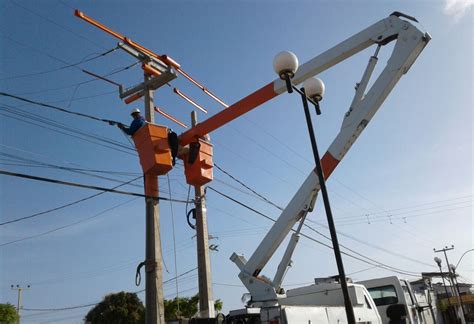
(57, 108)
(93, 304)
(64, 206)
(62, 67)
(377, 263)
(74, 184)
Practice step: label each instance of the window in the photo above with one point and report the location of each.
(384, 295)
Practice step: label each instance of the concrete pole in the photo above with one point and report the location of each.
(154, 305)
(206, 302)
(18, 303)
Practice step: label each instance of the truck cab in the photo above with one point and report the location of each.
(397, 302)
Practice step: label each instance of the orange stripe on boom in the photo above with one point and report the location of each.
(223, 117)
(328, 163)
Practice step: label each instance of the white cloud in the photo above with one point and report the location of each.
(457, 8)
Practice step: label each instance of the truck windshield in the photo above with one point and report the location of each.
(384, 295)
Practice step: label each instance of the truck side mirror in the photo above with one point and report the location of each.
(396, 312)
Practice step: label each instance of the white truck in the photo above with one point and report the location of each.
(322, 302)
(396, 300)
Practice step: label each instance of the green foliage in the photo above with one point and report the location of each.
(118, 308)
(218, 305)
(8, 314)
(188, 307)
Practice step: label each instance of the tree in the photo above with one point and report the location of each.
(118, 308)
(8, 314)
(188, 307)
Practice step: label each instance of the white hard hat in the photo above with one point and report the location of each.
(134, 111)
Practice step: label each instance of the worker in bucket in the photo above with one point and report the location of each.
(137, 123)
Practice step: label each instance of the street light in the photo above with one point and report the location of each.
(285, 65)
(470, 250)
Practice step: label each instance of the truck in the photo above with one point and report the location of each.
(396, 299)
(322, 302)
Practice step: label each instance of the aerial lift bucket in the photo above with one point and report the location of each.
(153, 149)
(198, 164)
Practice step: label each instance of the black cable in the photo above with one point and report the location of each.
(64, 206)
(61, 68)
(62, 127)
(319, 233)
(247, 187)
(57, 108)
(57, 24)
(83, 82)
(93, 304)
(73, 184)
(65, 226)
(379, 264)
(71, 135)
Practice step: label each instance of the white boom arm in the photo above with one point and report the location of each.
(410, 41)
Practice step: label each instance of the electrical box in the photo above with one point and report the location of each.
(198, 169)
(153, 149)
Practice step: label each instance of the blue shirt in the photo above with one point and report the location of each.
(134, 126)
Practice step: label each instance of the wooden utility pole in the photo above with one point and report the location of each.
(154, 304)
(206, 302)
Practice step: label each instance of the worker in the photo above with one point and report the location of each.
(137, 123)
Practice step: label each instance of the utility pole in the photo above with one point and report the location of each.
(451, 280)
(206, 302)
(154, 304)
(19, 289)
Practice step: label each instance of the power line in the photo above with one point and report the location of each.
(380, 264)
(93, 304)
(113, 72)
(74, 184)
(56, 108)
(60, 68)
(247, 187)
(325, 236)
(56, 24)
(63, 206)
(61, 128)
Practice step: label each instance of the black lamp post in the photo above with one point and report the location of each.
(286, 64)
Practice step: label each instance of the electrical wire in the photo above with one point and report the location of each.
(63, 206)
(57, 108)
(247, 187)
(379, 264)
(174, 243)
(93, 304)
(57, 24)
(61, 128)
(113, 72)
(74, 184)
(66, 226)
(62, 67)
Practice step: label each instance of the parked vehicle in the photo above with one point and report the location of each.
(396, 300)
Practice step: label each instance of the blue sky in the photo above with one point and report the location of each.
(410, 171)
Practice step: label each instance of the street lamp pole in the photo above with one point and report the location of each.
(285, 65)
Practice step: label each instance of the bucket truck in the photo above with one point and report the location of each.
(322, 302)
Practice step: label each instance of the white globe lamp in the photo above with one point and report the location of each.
(314, 88)
(285, 63)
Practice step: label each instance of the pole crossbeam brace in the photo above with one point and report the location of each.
(151, 84)
(145, 58)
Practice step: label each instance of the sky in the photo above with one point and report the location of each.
(404, 188)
